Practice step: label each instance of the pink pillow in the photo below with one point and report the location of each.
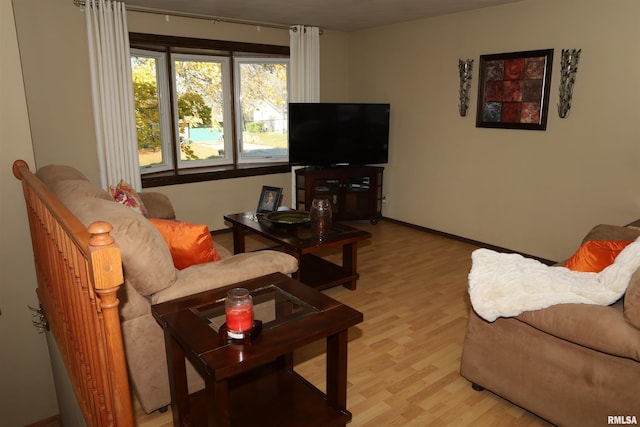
(596, 255)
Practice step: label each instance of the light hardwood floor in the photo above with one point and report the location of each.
(404, 359)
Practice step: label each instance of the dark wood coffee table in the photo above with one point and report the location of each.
(256, 384)
(299, 241)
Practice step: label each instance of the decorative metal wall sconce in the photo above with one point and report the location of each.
(568, 68)
(465, 68)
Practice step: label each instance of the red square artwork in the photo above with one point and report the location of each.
(514, 90)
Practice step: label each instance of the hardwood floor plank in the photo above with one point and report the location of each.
(404, 359)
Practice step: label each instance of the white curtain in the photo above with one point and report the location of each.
(112, 92)
(305, 74)
(305, 64)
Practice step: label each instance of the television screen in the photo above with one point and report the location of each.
(335, 134)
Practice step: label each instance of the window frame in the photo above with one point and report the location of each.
(166, 45)
(237, 63)
(225, 62)
(164, 108)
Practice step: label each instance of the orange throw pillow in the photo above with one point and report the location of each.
(596, 255)
(188, 243)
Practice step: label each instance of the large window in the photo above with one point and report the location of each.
(205, 109)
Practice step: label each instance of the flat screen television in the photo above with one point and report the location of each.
(338, 134)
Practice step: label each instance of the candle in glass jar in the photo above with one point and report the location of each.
(239, 312)
(320, 217)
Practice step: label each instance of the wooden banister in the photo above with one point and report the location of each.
(79, 272)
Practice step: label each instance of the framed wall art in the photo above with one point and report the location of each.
(513, 91)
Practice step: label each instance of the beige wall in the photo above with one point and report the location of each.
(26, 385)
(533, 191)
(334, 67)
(53, 51)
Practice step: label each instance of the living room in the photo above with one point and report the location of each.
(535, 192)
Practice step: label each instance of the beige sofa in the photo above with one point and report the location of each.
(150, 276)
(571, 364)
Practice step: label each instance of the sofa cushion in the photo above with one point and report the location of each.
(68, 190)
(51, 174)
(132, 303)
(147, 263)
(595, 255)
(158, 205)
(611, 232)
(188, 243)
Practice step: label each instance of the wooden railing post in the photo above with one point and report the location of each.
(108, 277)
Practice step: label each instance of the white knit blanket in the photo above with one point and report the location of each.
(505, 285)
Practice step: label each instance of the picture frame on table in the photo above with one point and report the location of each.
(270, 198)
(513, 90)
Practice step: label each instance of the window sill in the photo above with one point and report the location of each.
(160, 179)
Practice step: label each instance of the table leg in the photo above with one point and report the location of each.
(177, 379)
(350, 263)
(238, 239)
(337, 370)
(218, 414)
(296, 274)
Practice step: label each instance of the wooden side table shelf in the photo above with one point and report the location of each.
(246, 384)
(355, 191)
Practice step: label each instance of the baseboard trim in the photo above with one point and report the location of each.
(53, 421)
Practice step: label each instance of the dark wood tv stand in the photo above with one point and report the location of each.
(355, 191)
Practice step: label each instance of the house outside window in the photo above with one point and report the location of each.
(205, 109)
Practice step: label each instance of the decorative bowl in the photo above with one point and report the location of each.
(290, 217)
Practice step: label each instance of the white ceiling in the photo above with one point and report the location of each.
(337, 15)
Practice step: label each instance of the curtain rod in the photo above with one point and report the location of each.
(214, 19)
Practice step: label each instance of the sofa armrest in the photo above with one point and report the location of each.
(632, 295)
(601, 328)
(234, 269)
(158, 205)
